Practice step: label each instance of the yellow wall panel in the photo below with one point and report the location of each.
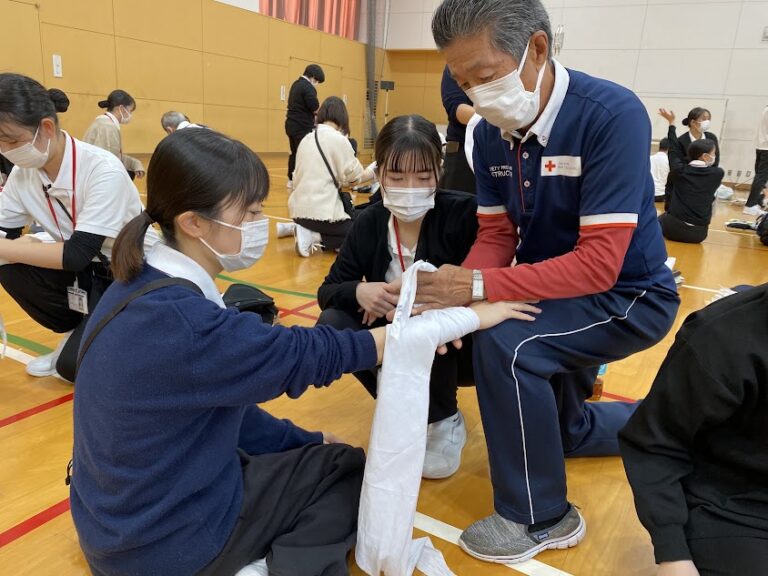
(94, 15)
(235, 82)
(277, 141)
(234, 32)
(173, 22)
(83, 108)
(144, 132)
(355, 92)
(278, 76)
(87, 59)
(350, 55)
(288, 41)
(20, 49)
(246, 124)
(155, 72)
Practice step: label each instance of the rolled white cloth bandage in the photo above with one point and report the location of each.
(4, 335)
(399, 437)
(469, 140)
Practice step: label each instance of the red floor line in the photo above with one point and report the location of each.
(36, 410)
(288, 312)
(617, 397)
(25, 527)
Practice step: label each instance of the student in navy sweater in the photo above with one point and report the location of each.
(176, 470)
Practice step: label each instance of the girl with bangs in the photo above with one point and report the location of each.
(176, 470)
(414, 221)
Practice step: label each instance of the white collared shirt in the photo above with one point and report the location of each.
(186, 124)
(395, 270)
(178, 265)
(106, 199)
(542, 128)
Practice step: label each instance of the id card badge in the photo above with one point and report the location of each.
(77, 299)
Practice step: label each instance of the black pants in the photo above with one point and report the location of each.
(447, 370)
(761, 177)
(678, 231)
(457, 175)
(730, 556)
(42, 293)
(293, 141)
(299, 511)
(332, 233)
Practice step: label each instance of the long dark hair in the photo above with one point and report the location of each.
(409, 144)
(26, 102)
(191, 170)
(117, 98)
(695, 114)
(334, 110)
(700, 147)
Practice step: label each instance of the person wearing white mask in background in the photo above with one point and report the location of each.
(80, 195)
(414, 221)
(104, 131)
(325, 161)
(176, 470)
(567, 218)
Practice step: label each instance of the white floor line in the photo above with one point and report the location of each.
(451, 534)
(278, 218)
(18, 355)
(699, 288)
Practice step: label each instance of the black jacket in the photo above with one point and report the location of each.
(696, 449)
(685, 141)
(693, 188)
(447, 234)
(302, 105)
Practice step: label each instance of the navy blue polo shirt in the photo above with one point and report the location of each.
(591, 169)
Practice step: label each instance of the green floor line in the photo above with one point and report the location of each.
(269, 288)
(28, 344)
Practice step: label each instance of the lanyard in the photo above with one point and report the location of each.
(73, 216)
(397, 240)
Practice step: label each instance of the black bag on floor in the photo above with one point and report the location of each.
(762, 228)
(250, 299)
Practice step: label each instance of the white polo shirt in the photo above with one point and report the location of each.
(105, 199)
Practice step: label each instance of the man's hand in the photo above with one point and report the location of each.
(375, 299)
(448, 286)
(668, 115)
(679, 568)
(331, 438)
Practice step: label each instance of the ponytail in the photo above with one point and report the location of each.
(128, 250)
(117, 98)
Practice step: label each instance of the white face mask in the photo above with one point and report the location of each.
(254, 237)
(28, 156)
(408, 204)
(505, 102)
(704, 125)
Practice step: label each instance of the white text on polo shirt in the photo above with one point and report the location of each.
(500, 171)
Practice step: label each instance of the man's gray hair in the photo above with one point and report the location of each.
(172, 119)
(510, 23)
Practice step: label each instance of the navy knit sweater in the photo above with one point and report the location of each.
(164, 397)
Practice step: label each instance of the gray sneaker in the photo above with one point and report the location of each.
(496, 539)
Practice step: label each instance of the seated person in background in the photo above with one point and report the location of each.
(660, 170)
(689, 208)
(696, 449)
(414, 222)
(325, 161)
(172, 121)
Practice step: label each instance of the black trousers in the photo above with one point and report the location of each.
(730, 556)
(293, 141)
(678, 231)
(299, 511)
(447, 371)
(42, 293)
(457, 175)
(760, 179)
(332, 233)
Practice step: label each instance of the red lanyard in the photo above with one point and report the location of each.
(397, 239)
(73, 216)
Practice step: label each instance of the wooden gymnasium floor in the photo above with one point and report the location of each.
(36, 531)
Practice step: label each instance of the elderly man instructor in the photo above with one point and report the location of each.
(566, 213)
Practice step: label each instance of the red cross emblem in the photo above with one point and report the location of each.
(550, 166)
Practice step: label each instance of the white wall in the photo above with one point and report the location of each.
(680, 49)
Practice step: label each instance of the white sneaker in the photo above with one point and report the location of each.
(753, 210)
(307, 241)
(289, 185)
(445, 440)
(285, 229)
(46, 365)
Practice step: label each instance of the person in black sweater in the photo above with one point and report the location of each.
(302, 106)
(457, 175)
(413, 222)
(689, 204)
(696, 449)
(698, 122)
